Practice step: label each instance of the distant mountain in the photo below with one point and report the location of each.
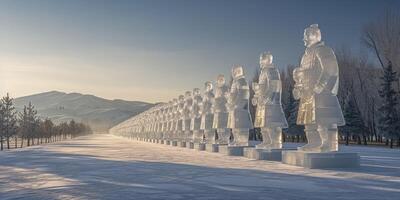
(99, 113)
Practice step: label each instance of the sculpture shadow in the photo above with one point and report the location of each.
(54, 175)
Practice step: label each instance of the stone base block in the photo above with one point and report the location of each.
(321, 160)
(162, 141)
(231, 150)
(174, 143)
(263, 154)
(212, 147)
(190, 145)
(199, 146)
(182, 144)
(167, 142)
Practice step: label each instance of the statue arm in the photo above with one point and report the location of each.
(232, 95)
(243, 94)
(329, 70)
(256, 89)
(297, 85)
(273, 87)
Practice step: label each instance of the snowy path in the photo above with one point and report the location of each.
(108, 167)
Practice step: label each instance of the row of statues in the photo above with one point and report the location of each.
(222, 110)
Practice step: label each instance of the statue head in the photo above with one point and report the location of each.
(297, 75)
(208, 86)
(220, 80)
(181, 98)
(266, 59)
(174, 101)
(237, 71)
(312, 35)
(196, 91)
(188, 94)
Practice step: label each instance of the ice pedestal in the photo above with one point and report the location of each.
(263, 154)
(212, 147)
(174, 143)
(182, 143)
(321, 160)
(231, 150)
(190, 145)
(199, 146)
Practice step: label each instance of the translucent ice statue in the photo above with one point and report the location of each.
(220, 110)
(316, 85)
(179, 116)
(186, 116)
(196, 116)
(165, 120)
(239, 119)
(207, 115)
(269, 113)
(173, 114)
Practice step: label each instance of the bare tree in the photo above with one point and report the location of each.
(382, 37)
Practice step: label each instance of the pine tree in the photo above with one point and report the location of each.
(29, 123)
(9, 119)
(388, 122)
(354, 123)
(1, 125)
(291, 110)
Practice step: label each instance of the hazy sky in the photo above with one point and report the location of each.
(155, 50)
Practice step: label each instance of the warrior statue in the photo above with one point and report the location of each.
(179, 116)
(153, 116)
(196, 116)
(316, 85)
(173, 112)
(239, 119)
(220, 110)
(207, 115)
(164, 120)
(269, 114)
(186, 118)
(159, 118)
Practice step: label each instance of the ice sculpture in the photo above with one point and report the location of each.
(173, 114)
(269, 113)
(167, 116)
(179, 116)
(316, 85)
(220, 111)
(196, 116)
(186, 115)
(207, 115)
(239, 119)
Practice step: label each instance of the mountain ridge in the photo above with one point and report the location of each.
(99, 113)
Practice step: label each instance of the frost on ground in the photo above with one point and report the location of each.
(109, 167)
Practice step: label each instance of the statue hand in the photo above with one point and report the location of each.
(318, 88)
(296, 93)
(254, 101)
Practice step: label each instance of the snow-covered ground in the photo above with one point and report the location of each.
(109, 167)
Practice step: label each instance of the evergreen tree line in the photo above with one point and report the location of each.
(25, 128)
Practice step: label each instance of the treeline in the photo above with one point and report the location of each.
(369, 87)
(26, 126)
